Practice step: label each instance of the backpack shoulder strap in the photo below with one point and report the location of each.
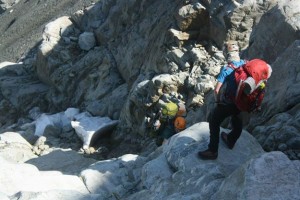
(232, 66)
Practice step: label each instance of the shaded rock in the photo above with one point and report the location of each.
(86, 41)
(294, 143)
(53, 125)
(285, 69)
(64, 160)
(107, 107)
(58, 120)
(282, 97)
(18, 86)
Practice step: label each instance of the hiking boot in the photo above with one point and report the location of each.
(224, 137)
(208, 155)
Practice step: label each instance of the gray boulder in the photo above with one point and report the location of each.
(14, 148)
(54, 194)
(86, 41)
(177, 173)
(27, 177)
(282, 97)
(65, 161)
(256, 179)
(18, 85)
(263, 40)
(88, 127)
(115, 177)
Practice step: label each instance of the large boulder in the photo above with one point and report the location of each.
(115, 177)
(27, 177)
(18, 85)
(281, 106)
(259, 179)
(177, 166)
(14, 148)
(89, 128)
(264, 42)
(160, 174)
(65, 161)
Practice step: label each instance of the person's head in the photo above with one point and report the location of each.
(179, 124)
(231, 51)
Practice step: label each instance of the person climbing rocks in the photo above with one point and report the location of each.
(239, 93)
(168, 121)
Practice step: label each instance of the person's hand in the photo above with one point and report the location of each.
(156, 125)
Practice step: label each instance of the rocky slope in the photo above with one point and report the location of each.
(117, 58)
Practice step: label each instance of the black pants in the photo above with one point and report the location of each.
(219, 114)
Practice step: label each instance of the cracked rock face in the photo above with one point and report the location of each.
(135, 44)
(121, 59)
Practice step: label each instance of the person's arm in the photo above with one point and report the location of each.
(216, 91)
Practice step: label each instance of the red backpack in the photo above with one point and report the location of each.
(259, 70)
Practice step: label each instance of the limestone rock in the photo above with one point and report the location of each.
(52, 38)
(246, 162)
(155, 171)
(14, 148)
(192, 17)
(88, 127)
(143, 59)
(280, 96)
(27, 177)
(116, 176)
(17, 89)
(54, 194)
(182, 149)
(86, 41)
(286, 15)
(66, 161)
(182, 35)
(256, 180)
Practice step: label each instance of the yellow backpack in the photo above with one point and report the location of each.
(170, 110)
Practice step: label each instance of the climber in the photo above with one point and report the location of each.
(169, 121)
(226, 103)
(231, 53)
